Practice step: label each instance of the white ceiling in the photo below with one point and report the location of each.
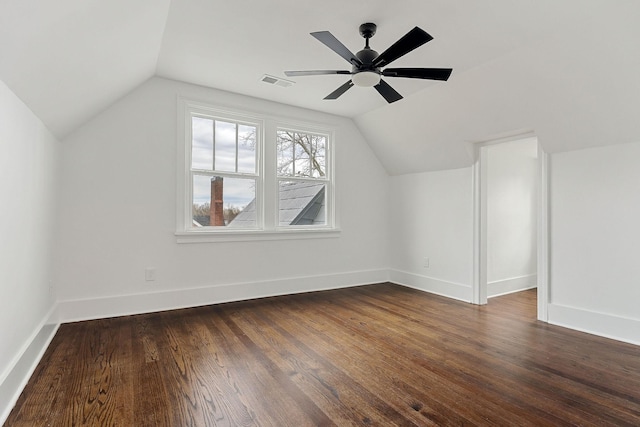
(518, 64)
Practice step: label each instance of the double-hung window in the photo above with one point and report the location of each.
(302, 177)
(251, 176)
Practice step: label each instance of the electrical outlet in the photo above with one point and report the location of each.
(150, 274)
(425, 262)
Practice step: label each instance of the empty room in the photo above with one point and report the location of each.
(279, 213)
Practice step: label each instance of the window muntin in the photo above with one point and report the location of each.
(242, 150)
(302, 178)
(301, 154)
(223, 145)
(223, 172)
(201, 143)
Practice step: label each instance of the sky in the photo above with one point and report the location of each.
(228, 147)
(237, 191)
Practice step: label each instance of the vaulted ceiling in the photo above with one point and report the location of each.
(567, 70)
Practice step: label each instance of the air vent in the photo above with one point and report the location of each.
(276, 81)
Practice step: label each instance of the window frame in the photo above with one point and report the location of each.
(267, 180)
(256, 175)
(327, 180)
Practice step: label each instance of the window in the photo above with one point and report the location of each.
(235, 178)
(302, 177)
(224, 172)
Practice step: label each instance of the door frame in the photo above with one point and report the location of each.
(480, 168)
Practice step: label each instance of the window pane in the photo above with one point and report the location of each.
(301, 154)
(201, 189)
(319, 149)
(201, 143)
(284, 144)
(301, 203)
(225, 146)
(247, 149)
(233, 202)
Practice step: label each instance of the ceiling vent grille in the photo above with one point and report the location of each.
(276, 81)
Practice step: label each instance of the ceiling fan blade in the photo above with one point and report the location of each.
(413, 39)
(335, 45)
(342, 89)
(419, 73)
(315, 72)
(387, 92)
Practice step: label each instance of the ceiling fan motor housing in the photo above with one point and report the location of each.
(366, 75)
(366, 56)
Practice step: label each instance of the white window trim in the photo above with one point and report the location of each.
(267, 188)
(253, 235)
(327, 180)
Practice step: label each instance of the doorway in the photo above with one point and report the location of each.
(510, 219)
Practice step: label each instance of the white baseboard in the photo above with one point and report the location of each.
(432, 285)
(16, 377)
(122, 305)
(605, 325)
(514, 284)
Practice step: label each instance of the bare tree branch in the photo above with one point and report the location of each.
(288, 142)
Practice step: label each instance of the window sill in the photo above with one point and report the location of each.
(255, 235)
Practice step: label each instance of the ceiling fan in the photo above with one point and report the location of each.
(366, 65)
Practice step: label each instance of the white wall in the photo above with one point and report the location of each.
(28, 161)
(594, 281)
(511, 216)
(595, 235)
(118, 207)
(432, 217)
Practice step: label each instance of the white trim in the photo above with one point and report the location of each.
(15, 377)
(328, 179)
(256, 235)
(123, 305)
(182, 182)
(479, 288)
(480, 225)
(267, 227)
(543, 235)
(187, 109)
(601, 324)
(511, 285)
(431, 285)
(475, 191)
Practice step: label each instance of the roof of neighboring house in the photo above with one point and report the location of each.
(246, 218)
(201, 221)
(301, 203)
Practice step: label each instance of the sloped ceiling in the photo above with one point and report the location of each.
(69, 59)
(567, 70)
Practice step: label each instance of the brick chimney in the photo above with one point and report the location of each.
(216, 209)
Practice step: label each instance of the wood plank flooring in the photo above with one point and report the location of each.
(374, 355)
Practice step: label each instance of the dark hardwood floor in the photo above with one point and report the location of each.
(375, 355)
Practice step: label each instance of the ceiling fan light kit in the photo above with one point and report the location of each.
(367, 65)
(366, 78)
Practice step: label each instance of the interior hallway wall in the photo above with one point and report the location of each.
(511, 216)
